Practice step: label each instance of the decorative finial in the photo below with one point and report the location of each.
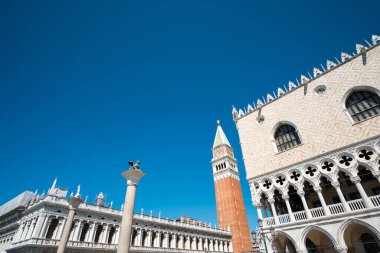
(100, 199)
(77, 195)
(218, 122)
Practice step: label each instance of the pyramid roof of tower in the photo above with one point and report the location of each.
(220, 137)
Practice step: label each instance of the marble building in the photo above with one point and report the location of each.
(312, 157)
(33, 223)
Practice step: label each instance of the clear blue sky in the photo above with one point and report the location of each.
(86, 86)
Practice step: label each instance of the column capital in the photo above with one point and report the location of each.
(285, 197)
(336, 184)
(355, 179)
(133, 176)
(74, 202)
(271, 201)
(301, 193)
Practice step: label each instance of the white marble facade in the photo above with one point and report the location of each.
(96, 229)
(312, 157)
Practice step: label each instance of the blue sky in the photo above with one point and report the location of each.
(86, 86)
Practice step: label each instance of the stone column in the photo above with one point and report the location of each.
(133, 176)
(139, 238)
(20, 230)
(26, 229)
(368, 203)
(38, 228)
(77, 231)
(158, 242)
(174, 241)
(73, 230)
(274, 212)
(150, 238)
(308, 213)
(187, 243)
(166, 241)
(58, 230)
(259, 212)
(290, 212)
(73, 205)
(91, 234)
(181, 246)
(45, 227)
(31, 228)
(116, 236)
(211, 245)
(106, 233)
(323, 202)
(341, 196)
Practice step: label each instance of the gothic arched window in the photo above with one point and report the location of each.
(286, 137)
(362, 105)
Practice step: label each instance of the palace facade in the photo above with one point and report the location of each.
(34, 223)
(312, 156)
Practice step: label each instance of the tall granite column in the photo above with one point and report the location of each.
(73, 205)
(133, 176)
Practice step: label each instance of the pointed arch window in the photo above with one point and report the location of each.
(286, 137)
(362, 105)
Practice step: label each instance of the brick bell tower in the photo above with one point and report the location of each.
(229, 198)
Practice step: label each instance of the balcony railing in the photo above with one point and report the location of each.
(355, 205)
(336, 208)
(317, 212)
(105, 246)
(300, 215)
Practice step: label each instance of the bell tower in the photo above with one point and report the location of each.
(229, 198)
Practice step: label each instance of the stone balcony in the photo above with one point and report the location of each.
(336, 210)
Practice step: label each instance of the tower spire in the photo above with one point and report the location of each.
(229, 198)
(220, 137)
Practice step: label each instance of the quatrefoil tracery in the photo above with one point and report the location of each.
(310, 171)
(366, 154)
(346, 160)
(295, 175)
(280, 180)
(327, 166)
(267, 184)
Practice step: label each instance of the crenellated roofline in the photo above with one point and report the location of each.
(238, 114)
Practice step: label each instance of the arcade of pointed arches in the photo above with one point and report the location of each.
(342, 182)
(354, 236)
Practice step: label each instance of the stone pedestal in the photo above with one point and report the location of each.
(74, 203)
(133, 177)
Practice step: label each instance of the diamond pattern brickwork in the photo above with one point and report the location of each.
(321, 121)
